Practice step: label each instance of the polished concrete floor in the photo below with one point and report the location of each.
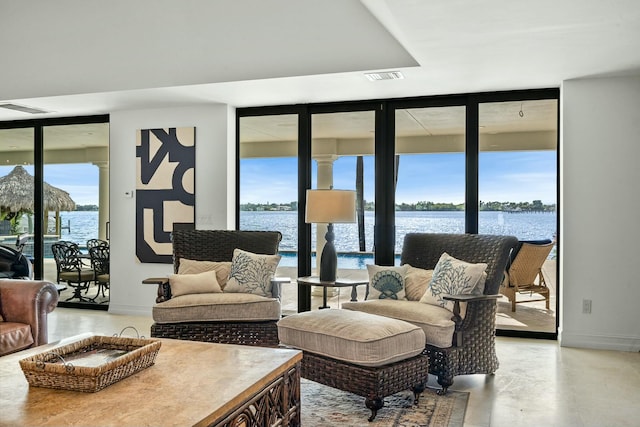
(538, 383)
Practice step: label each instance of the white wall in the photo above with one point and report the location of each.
(600, 197)
(215, 191)
(600, 226)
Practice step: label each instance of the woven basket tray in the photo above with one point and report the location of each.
(91, 364)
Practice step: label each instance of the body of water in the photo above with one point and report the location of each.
(78, 227)
(83, 225)
(525, 226)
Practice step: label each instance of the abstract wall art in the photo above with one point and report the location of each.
(165, 189)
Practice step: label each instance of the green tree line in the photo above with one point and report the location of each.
(534, 206)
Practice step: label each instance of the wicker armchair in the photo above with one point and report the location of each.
(218, 245)
(473, 348)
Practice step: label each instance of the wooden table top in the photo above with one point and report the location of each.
(191, 383)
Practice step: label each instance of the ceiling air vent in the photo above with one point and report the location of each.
(23, 108)
(384, 75)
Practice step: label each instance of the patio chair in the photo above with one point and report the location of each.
(524, 273)
(222, 317)
(92, 243)
(100, 264)
(70, 269)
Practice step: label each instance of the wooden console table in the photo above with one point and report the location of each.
(191, 384)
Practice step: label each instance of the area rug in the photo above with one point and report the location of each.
(324, 406)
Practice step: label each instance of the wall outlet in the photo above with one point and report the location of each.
(586, 306)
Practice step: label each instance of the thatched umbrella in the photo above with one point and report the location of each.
(16, 194)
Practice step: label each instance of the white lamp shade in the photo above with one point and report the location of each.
(330, 206)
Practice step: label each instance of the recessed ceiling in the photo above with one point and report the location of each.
(78, 58)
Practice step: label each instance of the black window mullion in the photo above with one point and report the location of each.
(304, 229)
(385, 196)
(38, 202)
(471, 166)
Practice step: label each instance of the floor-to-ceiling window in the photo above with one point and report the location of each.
(65, 168)
(433, 164)
(517, 190)
(16, 186)
(342, 158)
(268, 175)
(430, 170)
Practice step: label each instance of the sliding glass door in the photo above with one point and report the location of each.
(430, 170)
(518, 196)
(476, 163)
(268, 194)
(342, 158)
(17, 191)
(64, 185)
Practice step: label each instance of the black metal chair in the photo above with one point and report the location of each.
(70, 269)
(63, 243)
(92, 243)
(100, 264)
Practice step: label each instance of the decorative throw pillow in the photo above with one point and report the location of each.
(386, 282)
(252, 273)
(452, 277)
(192, 266)
(416, 282)
(200, 283)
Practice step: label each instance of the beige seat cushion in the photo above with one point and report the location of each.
(217, 307)
(354, 337)
(435, 321)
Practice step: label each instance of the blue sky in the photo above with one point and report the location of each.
(515, 176)
(79, 180)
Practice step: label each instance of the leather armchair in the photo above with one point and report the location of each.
(24, 307)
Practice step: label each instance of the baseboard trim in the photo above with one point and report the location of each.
(599, 342)
(130, 310)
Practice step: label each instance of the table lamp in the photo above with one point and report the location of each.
(330, 207)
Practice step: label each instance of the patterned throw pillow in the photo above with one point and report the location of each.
(251, 273)
(386, 282)
(453, 277)
(200, 283)
(192, 266)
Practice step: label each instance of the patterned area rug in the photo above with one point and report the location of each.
(324, 406)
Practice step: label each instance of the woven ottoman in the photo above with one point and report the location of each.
(365, 354)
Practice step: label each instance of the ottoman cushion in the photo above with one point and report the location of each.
(351, 336)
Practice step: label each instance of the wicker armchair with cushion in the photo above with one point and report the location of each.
(223, 288)
(460, 328)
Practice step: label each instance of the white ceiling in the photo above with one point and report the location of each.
(74, 57)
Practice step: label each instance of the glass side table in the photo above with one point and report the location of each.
(338, 283)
